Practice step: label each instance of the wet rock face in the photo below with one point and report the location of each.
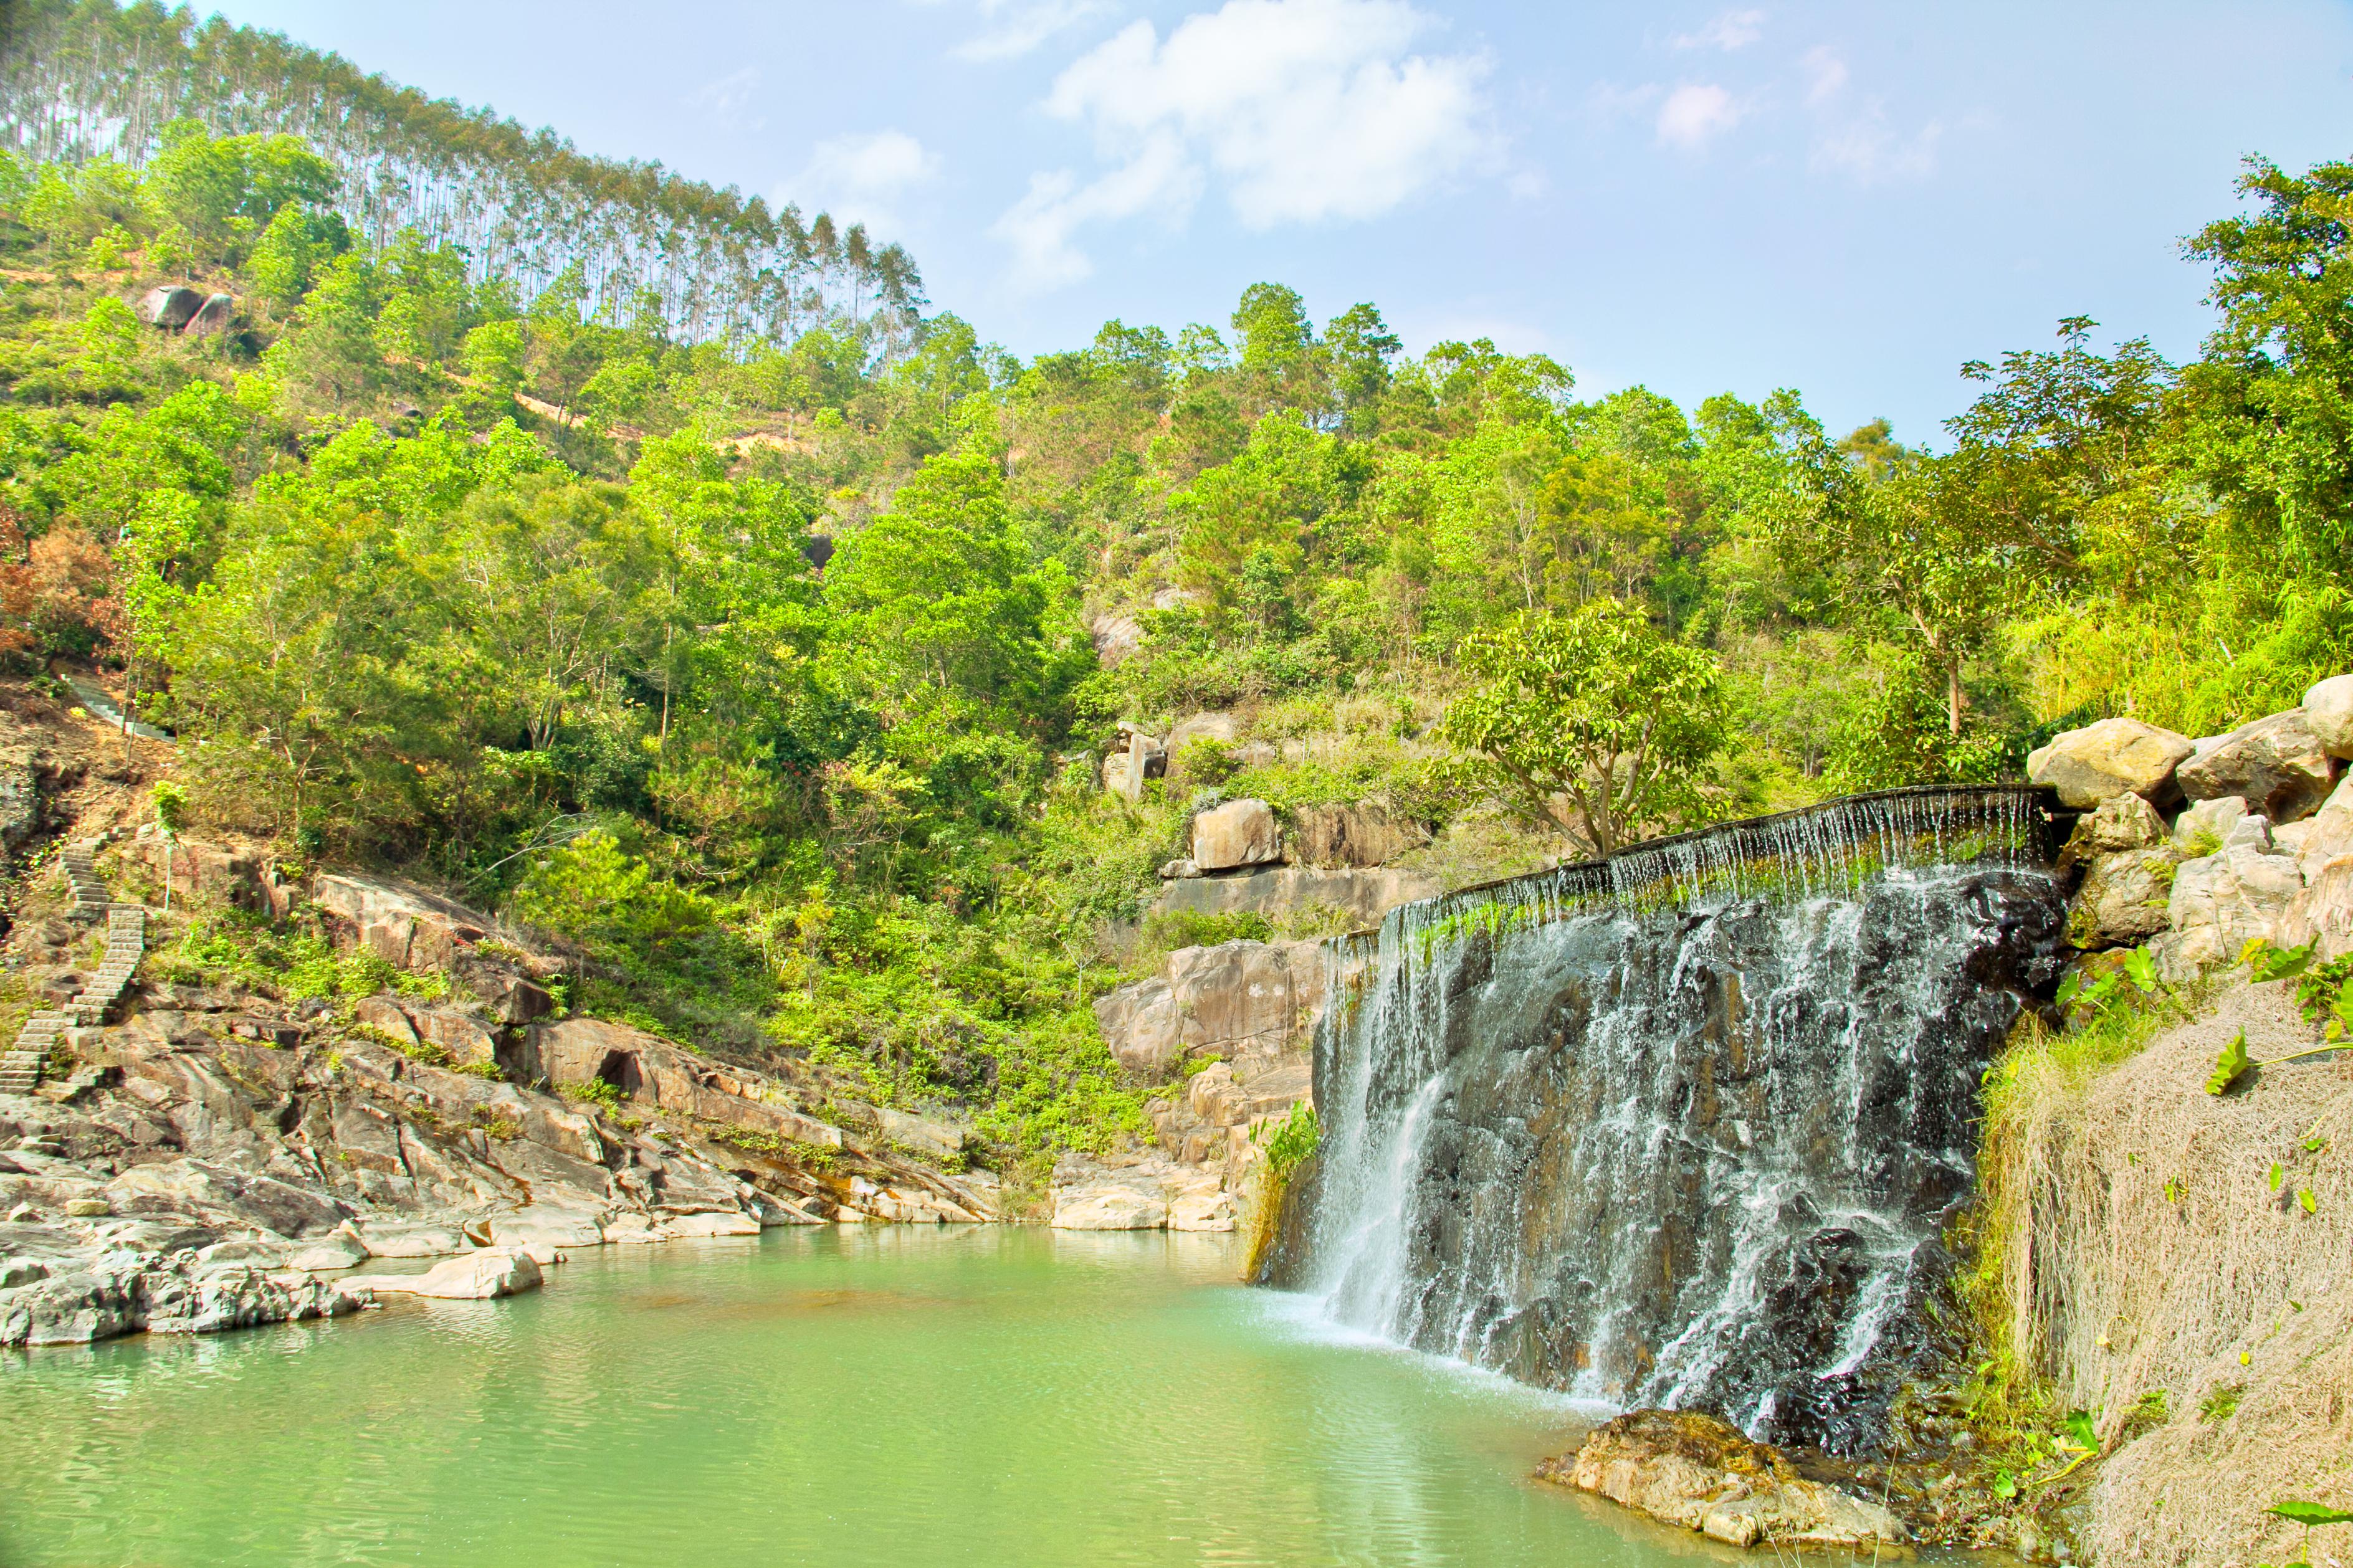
(1693, 1157)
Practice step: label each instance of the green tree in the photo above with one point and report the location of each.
(1590, 718)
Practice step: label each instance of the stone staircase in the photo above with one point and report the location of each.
(126, 943)
(90, 895)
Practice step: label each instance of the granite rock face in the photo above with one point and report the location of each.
(1364, 834)
(1233, 999)
(1364, 896)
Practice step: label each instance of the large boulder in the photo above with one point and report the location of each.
(2277, 765)
(1149, 1193)
(2221, 903)
(2110, 758)
(2122, 823)
(1364, 834)
(1107, 1208)
(2328, 710)
(1135, 758)
(1236, 998)
(1699, 1472)
(2125, 901)
(1219, 726)
(1237, 834)
(1116, 636)
(212, 317)
(169, 307)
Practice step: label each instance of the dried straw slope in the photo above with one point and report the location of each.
(2162, 1261)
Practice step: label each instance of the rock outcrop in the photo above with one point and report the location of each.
(1696, 1471)
(2111, 758)
(1235, 999)
(1364, 897)
(1364, 834)
(1238, 834)
(169, 307)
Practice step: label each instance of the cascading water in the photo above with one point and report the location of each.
(1681, 1128)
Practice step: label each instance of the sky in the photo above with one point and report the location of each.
(1853, 200)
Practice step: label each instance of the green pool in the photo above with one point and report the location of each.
(880, 1396)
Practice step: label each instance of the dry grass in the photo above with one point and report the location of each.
(2132, 1244)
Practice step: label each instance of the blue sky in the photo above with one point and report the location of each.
(1848, 199)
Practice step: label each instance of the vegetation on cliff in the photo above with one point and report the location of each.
(640, 560)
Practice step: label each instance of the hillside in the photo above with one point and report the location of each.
(774, 659)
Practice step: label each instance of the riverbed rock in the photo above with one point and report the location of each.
(2277, 765)
(1363, 834)
(476, 1276)
(1694, 1471)
(2111, 758)
(1107, 1208)
(116, 1291)
(2328, 710)
(1237, 834)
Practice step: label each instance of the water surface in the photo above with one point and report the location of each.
(887, 1396)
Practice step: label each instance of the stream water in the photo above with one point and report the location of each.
(885, 1396)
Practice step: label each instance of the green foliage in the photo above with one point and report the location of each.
(2231, 1065)
(1596, 707)
(515, 592)
(1293, 1141)
(594, 1091)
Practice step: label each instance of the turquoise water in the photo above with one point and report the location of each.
(882, 1396)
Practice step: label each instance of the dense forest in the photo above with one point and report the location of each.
(663, 577)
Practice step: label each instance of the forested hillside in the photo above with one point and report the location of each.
(640, 562)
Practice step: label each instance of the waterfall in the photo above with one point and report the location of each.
(1683, 1127)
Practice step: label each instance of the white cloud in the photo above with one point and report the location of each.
(1042, 226)
(1731, 30)
(1867, 150)
(1306, 110)
(1825, 74)
(729, 99)
(1695, 113)
(859, 178)
(1017, 27)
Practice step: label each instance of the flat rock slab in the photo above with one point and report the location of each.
(480, 1276)
(1705, 1474)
